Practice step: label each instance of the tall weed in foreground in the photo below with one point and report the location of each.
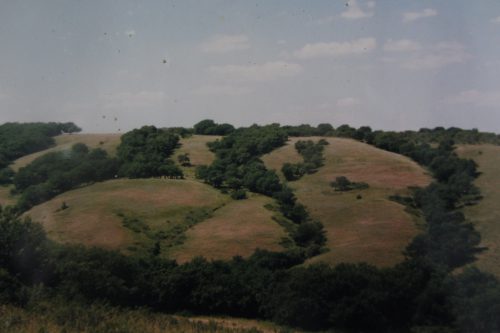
(51, 317)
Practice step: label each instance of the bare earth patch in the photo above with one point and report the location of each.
(372, 229)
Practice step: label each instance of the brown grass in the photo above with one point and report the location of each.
(235, 229)
(372, 229)
(106, 319)
(196, 147)
(108, 142)
(486, 214)
(92, 218)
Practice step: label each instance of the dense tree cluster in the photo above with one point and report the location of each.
(57, 172)
(209, 127)
(145, 153)
(17, 140)
(308, 130)
(312, 153)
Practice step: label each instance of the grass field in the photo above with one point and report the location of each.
(236, 229)
(93, 216)
(372, 229)
(486, 214)
(196, 147)
(105, 319)
(108, 142)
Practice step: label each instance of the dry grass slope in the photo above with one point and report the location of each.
(236, 229)
(92, 217)
(196, 147)
(108, 142)
(486, 214)
(372, 229)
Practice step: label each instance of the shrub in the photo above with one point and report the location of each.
(343, 184)
(239, 194)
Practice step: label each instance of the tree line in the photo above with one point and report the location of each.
(17, 140)
(142, 153)
(312, 154)
(237, 166)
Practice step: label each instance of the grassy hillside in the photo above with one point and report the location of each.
(486, 214)
(95, 214)
(131, 215)
(196, 147)
(371, 229)
(108, 142)
(236, 229)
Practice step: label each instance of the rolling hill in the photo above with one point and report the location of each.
(96, 214)
(486, 214)
(372, 229)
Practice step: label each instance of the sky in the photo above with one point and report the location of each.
(111, 66)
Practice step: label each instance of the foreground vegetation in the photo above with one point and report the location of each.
(418, 294)
(59, 316)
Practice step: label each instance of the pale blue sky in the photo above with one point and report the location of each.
(387, 64)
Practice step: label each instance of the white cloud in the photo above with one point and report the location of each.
(317, 50)
(257, 72)
(402, 45)
(437, 56)
(222, 90)
(225, 44)
(134, 100)
(475, 98)
(348, 102)
(413, 16)
(496, 20)
(355, 11)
